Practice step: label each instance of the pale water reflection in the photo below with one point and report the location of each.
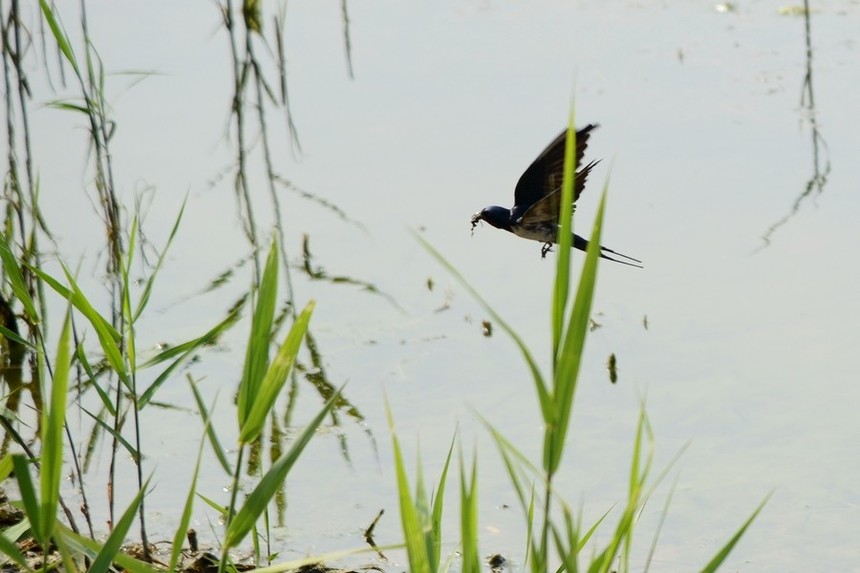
(749, 356)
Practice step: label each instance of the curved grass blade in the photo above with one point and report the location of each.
(183, 352)
(28, 494)
(269, 485)
(210, 431)
(185, 518)
(540, 385)
(10, 550)
(111, 547)
(107, 334)
(147, 288)
(59, 35)
(85, 546)
(718, 559)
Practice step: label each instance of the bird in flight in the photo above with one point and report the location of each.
(537, 199)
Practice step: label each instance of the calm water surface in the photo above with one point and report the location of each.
(749, 356)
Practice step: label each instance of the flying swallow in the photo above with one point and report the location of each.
(537, 199)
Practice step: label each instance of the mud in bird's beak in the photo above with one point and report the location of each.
(476, 218)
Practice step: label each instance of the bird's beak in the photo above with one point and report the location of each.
(479, 216)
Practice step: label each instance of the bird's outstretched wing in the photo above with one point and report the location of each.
(544, 175)
(546, 211)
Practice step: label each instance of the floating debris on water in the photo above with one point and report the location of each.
(487, 328)
(611, 365)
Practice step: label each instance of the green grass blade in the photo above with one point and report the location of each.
(28, 495)
(147, 287)
(413, 529)
(516, 464)
(663, 513)
(275, 377)
(532, 550)
(185, 518)
(183, 349)
(81, 358)
(566, 549)
(562, 273)
(6, 466)
(16, 280)
(135, 455)
(210, 431)
(14, 337)
(52, 434)
(471, 560)
(112, 545)
(10, 550)
(89, 547)
(59, 35)
(422, 507)
(438, 507)
(257, 354)
(107, 335)
(183, 352)
(540, 385)
(271, 482)
(130, 346)
(718, 559)
(573, 343)
(213, 504)
(587, 536)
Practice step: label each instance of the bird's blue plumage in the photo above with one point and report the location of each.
(537, 198)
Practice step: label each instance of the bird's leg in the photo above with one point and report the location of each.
(547, 247)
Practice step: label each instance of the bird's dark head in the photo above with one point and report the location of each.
(498, 217)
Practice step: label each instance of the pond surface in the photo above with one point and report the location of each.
(749, 356)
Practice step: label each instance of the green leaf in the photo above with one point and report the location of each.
(6, 467)
(438, 506)
(257, 353)
(269, 485)
(275, 377)
(59, 36)
(185, 518)
(183, 351)
(111, 547)
(135, 454)
(573, 343)
(718, 559)
(147, 288)
(413, 528)
(107, 334)
(53, 420)
(540, 385)
(89, 547)
(562, 273)
(471, 560)
(16, 280)
(28, 495)
(11, 551)
(210, 431)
